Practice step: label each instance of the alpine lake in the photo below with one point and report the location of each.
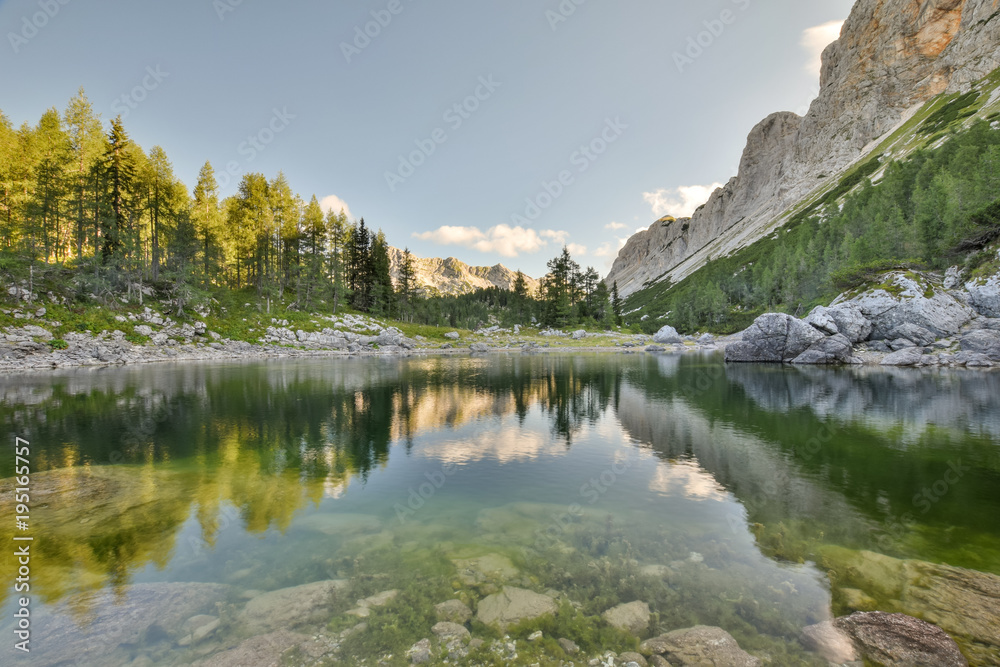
(218, 514)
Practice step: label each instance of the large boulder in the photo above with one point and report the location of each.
(290, 607)
(907, 299)
(667, 336)
(850, 321)
(775, 338)
(833, 350)
(513, 605)
(983, 341)
(821, 319)
(984, 296)
(700, 645)
(911, 356)
(632, 617)
(915, 334)
(899, 640)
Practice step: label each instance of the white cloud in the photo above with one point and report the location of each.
(335, 204)
(605, 250)
(576, 249)
(816, 39)
(679, 202)
(504, 240)
(615, 226)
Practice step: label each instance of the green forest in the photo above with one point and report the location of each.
(936, 209)
(86, 208)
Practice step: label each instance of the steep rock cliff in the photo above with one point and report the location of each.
(892, 56)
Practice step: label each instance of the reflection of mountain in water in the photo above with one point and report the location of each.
(888, 399)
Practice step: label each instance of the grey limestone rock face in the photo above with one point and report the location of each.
(775, 338)
(911, 303)
(892, 56)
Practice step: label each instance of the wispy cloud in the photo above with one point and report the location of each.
(816, 39)
(679, 202)
(335, 204)
(615, 226)
(504, 240)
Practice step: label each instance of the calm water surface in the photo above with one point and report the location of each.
(751, 498)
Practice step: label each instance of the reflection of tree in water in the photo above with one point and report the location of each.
(263, 439)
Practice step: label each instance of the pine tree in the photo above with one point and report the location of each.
(207, 221)
(407, 284)
(359, 275)
(338, 235)
(616, 304)
(118, 179)
(313, 232)
(520, 286)
(87, 144)
(382, 294)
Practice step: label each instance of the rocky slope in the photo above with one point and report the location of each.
(892, 57)
(450, 276)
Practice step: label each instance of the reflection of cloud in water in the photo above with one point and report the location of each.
(504, 445)
(687, 479)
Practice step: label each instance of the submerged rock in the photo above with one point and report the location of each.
(290, 607)
(898, 640)
(700, 645)
(162, 610)
(455, 611)
(261, 651)
(632, 617)
(513, 605)
(474, 571)
(420, 652)
(831, 643)
(964, 603)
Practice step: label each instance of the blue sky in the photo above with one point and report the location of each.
(488, 131)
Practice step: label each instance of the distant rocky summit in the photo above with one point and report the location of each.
(437, 277)
(892, 56)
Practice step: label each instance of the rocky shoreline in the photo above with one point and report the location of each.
(909, 320)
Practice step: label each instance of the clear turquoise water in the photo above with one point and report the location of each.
(710, 492)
